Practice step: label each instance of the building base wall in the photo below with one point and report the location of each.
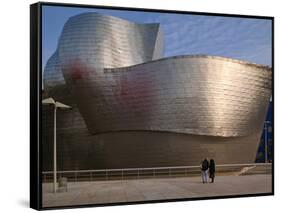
(81, 151)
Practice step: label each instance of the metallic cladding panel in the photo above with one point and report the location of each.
(106, 68)
(187, 94)
(159, 45)
(191, 94)
(52, 74)
(100, 41)
(81, 150)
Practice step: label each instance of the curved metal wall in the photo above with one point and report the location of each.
(191, 94)
(52, 74)
(108, 70)
(101, 41)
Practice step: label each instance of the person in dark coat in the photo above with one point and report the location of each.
(204, 170)
(212, 170)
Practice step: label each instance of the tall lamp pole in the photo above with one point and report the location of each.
(57, 105)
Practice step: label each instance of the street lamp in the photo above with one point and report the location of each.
(265, 140)
(57, 105)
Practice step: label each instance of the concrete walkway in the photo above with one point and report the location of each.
(153, 189)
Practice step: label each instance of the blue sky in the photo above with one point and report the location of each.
(240, 38)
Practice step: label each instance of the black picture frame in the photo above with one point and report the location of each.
(36, 98)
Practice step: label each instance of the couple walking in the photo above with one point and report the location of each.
(208, 170)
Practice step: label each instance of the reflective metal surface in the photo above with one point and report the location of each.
(191, 94)
(109, 70)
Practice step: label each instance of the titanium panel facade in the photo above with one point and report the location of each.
(199, 95)
(144, 111)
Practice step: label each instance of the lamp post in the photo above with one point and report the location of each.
(57, 105)
(265, 140)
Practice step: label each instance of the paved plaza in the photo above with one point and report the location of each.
(98, 192)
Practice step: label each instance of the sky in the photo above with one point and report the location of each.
(185, 34)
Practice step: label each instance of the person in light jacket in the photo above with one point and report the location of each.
(204, 170)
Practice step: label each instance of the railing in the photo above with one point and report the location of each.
(154, 172)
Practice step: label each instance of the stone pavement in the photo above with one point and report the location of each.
(153, 189)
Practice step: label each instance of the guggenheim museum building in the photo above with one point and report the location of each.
(132, 108)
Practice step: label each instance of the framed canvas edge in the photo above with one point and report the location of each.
(36, 97)
(35, 107)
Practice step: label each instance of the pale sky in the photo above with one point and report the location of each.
(240, 38)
